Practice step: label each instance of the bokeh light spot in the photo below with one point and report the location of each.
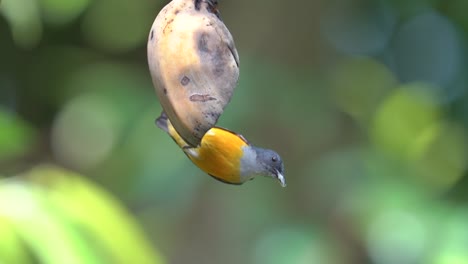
(358, 29)
(396, 237)
(427, 48)
(290, 245)
(442, 158)
(85, 131)
(359, 84)
(403, 117)
(452, 240)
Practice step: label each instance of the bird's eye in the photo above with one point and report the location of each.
(274, 159)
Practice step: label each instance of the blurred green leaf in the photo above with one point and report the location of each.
(25, 21)
(61, 12)
(16, 136)
(12, 250)
(82, 223)
(33, 221)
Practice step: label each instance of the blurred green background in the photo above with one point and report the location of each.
(366, 101)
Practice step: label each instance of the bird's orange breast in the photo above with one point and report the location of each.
(219, 154)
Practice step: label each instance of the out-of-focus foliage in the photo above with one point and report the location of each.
(16, 136)
(49, 215)
(366, 101)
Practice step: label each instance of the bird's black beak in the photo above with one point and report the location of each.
(280, 178)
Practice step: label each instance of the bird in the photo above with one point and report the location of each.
(228, 156)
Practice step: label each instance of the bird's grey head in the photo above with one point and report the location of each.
(271, 164)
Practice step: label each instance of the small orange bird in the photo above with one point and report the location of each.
(227, 156)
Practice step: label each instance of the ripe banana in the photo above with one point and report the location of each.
(194, 65)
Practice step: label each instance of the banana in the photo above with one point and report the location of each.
(194, 65)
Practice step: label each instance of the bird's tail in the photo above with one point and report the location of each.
(164, 123)
(161, 122)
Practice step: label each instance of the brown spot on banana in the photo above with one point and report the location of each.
(194, 65)
(185, 80)
(201, 98)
